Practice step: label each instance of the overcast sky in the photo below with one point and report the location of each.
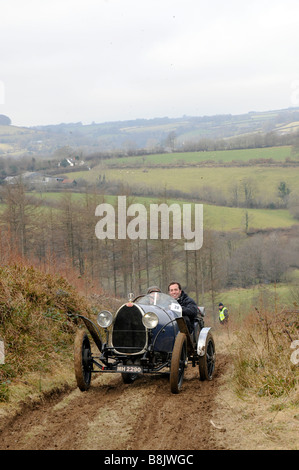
(108, 60)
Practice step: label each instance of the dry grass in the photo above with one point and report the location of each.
(263, 364)
(37, 324)
(258, 399)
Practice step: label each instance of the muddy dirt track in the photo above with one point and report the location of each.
(144, 415)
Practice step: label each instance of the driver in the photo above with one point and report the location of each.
(153, 293)
(189, 307)
(153, 289)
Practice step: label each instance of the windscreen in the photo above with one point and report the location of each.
(162, 300)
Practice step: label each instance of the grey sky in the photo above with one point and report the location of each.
(107, 60)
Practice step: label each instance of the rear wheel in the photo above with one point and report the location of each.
(83, 360)
(207, 362)
(178, 363)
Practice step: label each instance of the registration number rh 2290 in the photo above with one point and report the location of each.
(130, 369)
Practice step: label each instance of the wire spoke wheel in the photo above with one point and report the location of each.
(83, 360)
(178, 363)
(207, 362)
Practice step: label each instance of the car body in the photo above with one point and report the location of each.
(147, 335)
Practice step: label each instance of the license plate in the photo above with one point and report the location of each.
(130, 369)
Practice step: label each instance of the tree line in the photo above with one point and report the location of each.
(62, 234)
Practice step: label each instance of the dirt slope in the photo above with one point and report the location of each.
(114, 416)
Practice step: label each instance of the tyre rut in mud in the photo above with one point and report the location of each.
(143, 415)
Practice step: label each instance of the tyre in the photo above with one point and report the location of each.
(82, 360)
(207, 362)
(178, 363)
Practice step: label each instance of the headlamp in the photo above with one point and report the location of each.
(104, 319)
(150, 320)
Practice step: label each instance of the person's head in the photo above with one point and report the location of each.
(175, 289)
(153, 289)
(220, 306)
(153, 294)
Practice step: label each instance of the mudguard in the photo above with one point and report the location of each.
(202, 340)
(93, 330)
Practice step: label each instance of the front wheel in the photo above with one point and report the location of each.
(207, 361)
(82, 360)
(178, 363)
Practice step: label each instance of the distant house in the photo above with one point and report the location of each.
(67, 181)
(66, 162)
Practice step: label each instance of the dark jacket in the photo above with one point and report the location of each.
(188, 305)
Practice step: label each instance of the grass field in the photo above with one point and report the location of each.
(221, 156)
(5, 148)
(186, 179)
(215, 217)
(230, 218)
(263, 180)
(261, 297)
(209, 180)
(241, 301)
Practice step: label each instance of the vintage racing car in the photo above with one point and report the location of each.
(147, 335)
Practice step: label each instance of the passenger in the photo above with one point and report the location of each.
(189, 307)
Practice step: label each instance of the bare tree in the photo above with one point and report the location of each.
(20, 216)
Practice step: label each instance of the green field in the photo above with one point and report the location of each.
(230, 218)
(197, 181)
(206, 183)
(215, 217)
(187, 179)
(220, 156)
(177, 171)
(269, 297)
(13, 130)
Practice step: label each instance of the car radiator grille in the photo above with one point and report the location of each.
(129, 334)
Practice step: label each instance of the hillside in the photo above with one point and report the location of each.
(151, 134)
(37, 323)
(251, 403)
(250, 208)
(249, 260)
